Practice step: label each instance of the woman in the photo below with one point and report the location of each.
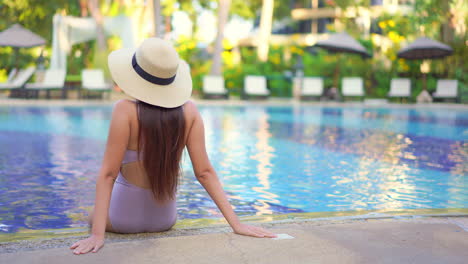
(144, 147)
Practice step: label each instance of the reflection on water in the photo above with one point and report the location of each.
(263, 157)
(271, 160)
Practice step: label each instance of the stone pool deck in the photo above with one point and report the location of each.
(389, 240)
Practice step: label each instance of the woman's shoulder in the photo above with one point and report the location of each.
(190, 108)
(190, 111)
(124, 106)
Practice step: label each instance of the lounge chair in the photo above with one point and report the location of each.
(352, 87)
(12, 74)
(311, 87)
(19, 80)
(92, 80)
(15, 83)
(213, 86)
(255, 86)
(446, 89)
(400, 87)
(53, 80)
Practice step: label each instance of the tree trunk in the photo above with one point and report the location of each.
(83, 8)
(168, 27)
(157, 18)
(223, 12)
(447, 30)
(265, 30)
(93, 6)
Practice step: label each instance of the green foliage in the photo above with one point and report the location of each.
(188, 50)
(245, 9)
(35, 15)
(429, 18)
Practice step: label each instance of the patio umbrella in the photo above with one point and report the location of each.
(17, 37)
(422, 49)
(342, 43)
(425, 48)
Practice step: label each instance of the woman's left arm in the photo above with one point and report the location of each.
(117, 141)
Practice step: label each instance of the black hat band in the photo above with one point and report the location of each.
(150, 78)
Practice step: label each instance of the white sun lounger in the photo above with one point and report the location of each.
(12, 74)
(255, 86)
(19, 80)
(312, 87)
(352, 87)
(446, 89)
(213, 86)
(92, 80)
(400, 87)
(53, 80)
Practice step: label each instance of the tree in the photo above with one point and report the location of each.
(265, 30)
(223, 12)
(35, 15)
(157, 17)
(93, 6)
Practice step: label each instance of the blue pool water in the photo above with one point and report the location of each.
(271, 160)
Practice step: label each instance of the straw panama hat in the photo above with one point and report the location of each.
(153, 73)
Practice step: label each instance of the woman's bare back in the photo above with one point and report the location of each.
(133, 171)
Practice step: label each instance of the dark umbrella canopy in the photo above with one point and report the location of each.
(425, 48)
(18, 37)
(342, 42)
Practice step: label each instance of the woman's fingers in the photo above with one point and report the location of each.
(75, 245)
(82, 248)
(96, 248)
(262, 232)
(78, 249)
(88, 248)
(255, 232)
(269, 234)
(265, 232)
(87, 245)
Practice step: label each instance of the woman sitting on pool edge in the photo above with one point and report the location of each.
(137, 183)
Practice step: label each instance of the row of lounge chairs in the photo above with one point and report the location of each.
(92, 80)
(256, 86)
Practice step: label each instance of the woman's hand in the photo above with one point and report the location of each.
(84, 246)
(254, 231)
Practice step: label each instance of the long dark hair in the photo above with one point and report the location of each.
(160, 144)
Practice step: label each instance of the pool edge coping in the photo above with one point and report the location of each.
(234, 102)
(213, 225)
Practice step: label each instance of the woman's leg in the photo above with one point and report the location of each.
(108, 223)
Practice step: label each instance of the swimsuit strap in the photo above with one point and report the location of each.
(130, 156)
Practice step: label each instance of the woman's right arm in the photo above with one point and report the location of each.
(117, 141)
(206, 175)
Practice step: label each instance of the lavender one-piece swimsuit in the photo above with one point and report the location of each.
(133, 209)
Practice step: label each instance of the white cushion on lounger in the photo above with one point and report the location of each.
(53, 79)
(20, 79)
(213, 84)
(93, 79)
(446, 89)
(352, 86)
(312, 86)
(256, 85)
(400, 87)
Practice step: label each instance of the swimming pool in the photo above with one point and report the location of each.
(270, 159)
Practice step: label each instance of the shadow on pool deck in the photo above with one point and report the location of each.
(405, 240)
